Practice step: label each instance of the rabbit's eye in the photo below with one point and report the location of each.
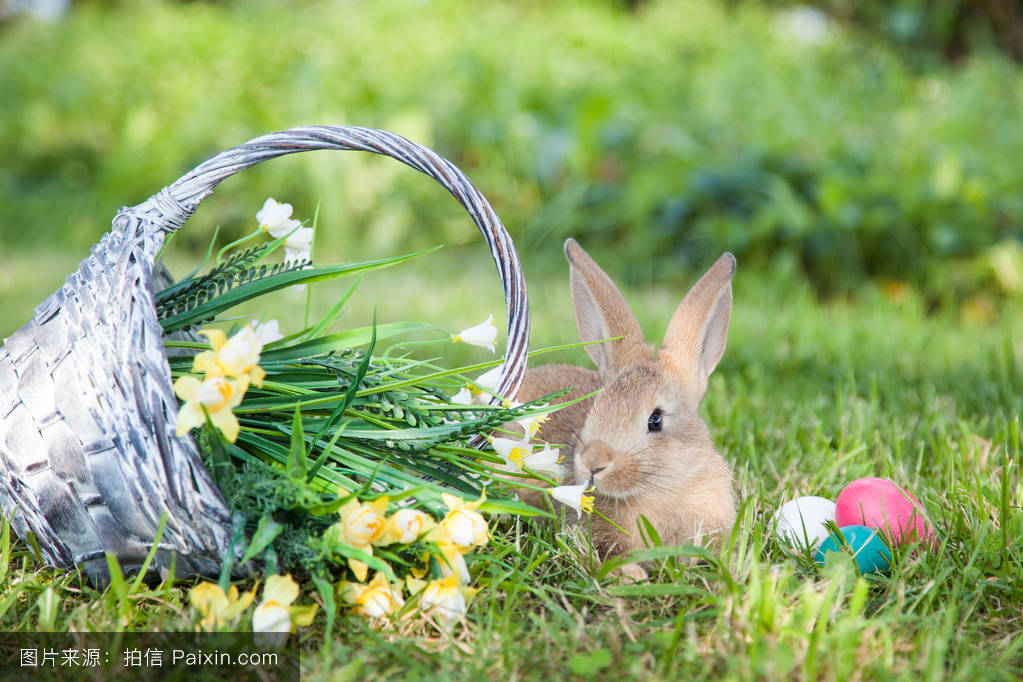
(655, 421)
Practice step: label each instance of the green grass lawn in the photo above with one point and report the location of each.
(809, 396)
(659, 136)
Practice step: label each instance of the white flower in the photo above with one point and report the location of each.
(374, 600)
(267, 332)
(409, 525)
(546, 461)
(572, 496)
(275, 218)
(275, 613)
(463, 397)
(483, 335)
(362, 524)
(445, 600)
(298, 245)
(464, 525)
(453, 561)
(531, 425)
(512, 451)
(488, 380)
(271, 617)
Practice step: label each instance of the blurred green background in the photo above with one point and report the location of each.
(849, 146)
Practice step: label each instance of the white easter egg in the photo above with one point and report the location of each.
(800, 522)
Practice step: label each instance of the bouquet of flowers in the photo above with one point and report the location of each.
(346, 458)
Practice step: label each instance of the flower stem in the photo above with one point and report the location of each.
(235, 243)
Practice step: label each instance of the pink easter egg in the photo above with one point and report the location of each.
(879, 503)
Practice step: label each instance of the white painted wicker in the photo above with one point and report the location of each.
(88, 457)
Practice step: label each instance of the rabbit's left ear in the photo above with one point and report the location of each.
(695, 340)
(601, 312)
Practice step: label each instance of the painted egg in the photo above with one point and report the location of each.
(800, 522)
(879, 503)
(864, 543)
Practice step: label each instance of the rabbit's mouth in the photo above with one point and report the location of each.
(607, 482)
(596, 464)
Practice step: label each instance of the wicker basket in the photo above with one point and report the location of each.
(89, 462)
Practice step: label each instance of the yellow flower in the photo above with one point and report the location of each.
(216, 397)
(275, 613)
(445, 600)
(235, 357)
(408, 525)
(361, 526)
(463, 526)
(218, 609)
(452, 561)
(375, 600)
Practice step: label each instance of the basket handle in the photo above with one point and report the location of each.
(168, 210)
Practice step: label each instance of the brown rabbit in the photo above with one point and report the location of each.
(640, 442)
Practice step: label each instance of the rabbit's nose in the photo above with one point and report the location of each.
(594, 472)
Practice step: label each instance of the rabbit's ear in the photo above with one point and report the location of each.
(601, 312)
(695, 340)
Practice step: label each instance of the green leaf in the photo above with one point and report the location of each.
(118, 590)
(259, 287)
(588, 665)
(5, 550)
(325, 588)
(266, 531)
(351, 338)
(360, 375)
(220, 462)
(492, 506)
(296, 455)
(331, 315)
(237, 540)
(314, 470)
(350, 552)
(151, 554)
(653, 590)
(648, 532)
(653, 553)
(219, 275)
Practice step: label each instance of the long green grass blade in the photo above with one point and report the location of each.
(259, 287)
(352, 338)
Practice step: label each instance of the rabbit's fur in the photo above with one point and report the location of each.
(672, 475)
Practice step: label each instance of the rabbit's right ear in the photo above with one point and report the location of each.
(695, 340)
(601, 312)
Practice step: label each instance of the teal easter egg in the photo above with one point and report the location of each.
(866, 546)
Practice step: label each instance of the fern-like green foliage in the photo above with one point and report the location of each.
(239, 268)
